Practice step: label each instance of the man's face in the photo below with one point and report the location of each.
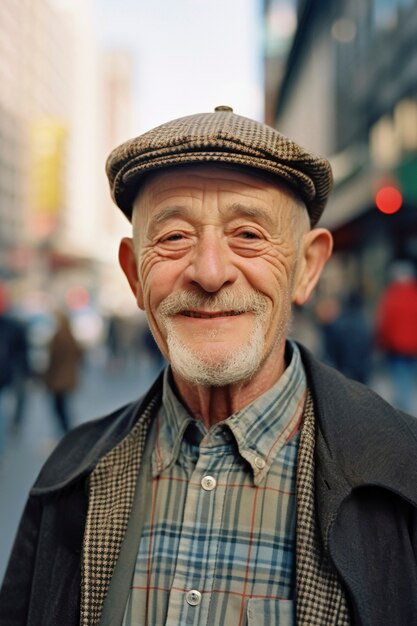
(216, 270)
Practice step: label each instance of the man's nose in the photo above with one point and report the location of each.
(211, 266)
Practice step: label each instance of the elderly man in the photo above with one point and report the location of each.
(251, 484)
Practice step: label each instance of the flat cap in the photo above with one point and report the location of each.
(219, 137)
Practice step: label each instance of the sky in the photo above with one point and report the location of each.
(189, 55)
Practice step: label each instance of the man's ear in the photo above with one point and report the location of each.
(128, 263)
(317, 248)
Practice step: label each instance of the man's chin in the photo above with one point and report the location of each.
(212, 377)
(216, 367)
(213, 354)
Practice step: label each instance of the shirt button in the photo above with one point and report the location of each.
(260, 462)
(193, 597)
(208, 483)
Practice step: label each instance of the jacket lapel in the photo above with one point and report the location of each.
(111, 489)
(320, 598)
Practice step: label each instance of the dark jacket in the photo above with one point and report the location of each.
(65, 356)
(14, 350)
(366, 490)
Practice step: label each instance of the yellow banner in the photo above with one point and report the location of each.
(46, 168)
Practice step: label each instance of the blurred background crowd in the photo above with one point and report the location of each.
(79, 77)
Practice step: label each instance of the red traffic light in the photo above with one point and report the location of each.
(388, 200)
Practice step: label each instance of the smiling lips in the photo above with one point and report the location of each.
(209, 316)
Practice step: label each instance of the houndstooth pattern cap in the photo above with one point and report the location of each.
(219, 137)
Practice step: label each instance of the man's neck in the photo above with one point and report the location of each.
(214, 404)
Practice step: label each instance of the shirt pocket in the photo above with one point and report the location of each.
(270, 612)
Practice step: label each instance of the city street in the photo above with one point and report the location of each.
(102, 389)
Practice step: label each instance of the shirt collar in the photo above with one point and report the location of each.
(265, 426)
(261, 429)
(171, 423)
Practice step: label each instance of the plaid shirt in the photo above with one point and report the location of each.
(218, 545)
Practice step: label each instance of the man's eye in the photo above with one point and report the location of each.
(173, 237)
(248, 234)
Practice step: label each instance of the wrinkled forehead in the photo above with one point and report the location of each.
(188, 176)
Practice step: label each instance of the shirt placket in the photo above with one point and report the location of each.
(199, 542)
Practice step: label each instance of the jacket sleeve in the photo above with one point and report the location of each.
(16, 589)
(42, 586)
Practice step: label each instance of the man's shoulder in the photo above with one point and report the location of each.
(361, 435)
(78, 453)
(333, 391)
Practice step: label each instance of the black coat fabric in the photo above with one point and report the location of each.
(366, 492)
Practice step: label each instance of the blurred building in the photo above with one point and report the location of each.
(64, 103)
(30, 52)
(279, 28)
(117, 110)
(118, 123)
(10, 140)
(35, 123)
(349, 91)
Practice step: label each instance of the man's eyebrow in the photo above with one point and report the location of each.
(163, 215)
(167, 213)
(237, 209)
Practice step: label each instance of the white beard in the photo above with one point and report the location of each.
(215, 367)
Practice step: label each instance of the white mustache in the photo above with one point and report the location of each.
(239, 301)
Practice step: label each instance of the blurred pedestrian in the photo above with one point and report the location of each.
(152, 349)
(326, 310)
(14, 367)
(396, 333)
(349, 340)
(113, 342)
(61, 375)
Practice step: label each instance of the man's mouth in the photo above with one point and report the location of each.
(208, 316)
